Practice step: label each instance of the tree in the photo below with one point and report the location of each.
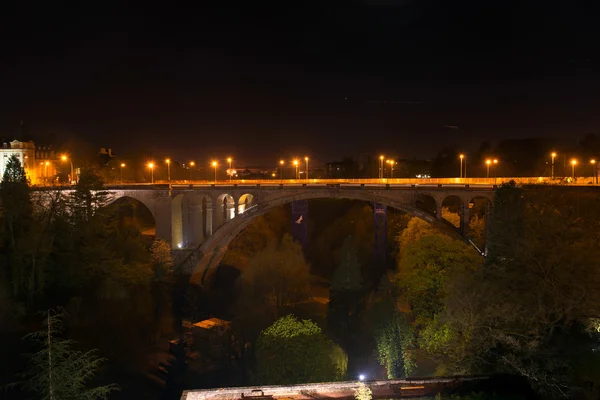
(528, 310)
(89, 195)
(425, 267)
(292, 351)
(21, 234)
(347, 277)
(275, 282)
(363, 392)
(56, 371)
(394, 338)
(277, 276)
(343, 310)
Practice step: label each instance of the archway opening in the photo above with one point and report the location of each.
(426, 203)
(225, 209)
(452, 210)
(132, 212)
(245, 202)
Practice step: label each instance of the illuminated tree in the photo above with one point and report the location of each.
(293, 351)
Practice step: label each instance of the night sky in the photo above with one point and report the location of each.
(265, 83)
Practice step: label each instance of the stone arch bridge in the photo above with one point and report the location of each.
(201, 220)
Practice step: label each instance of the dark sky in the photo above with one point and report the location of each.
(266, 83)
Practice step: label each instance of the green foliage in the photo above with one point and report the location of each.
(293, 351)
(347, 276)
(394, 339)
(363, 392)
(526, 312)
(14, 172)
(452, 217)
(56, 371)
(425, 266)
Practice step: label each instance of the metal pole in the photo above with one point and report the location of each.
(465, 168)
(152, 174)
(553, 167)
(460, 175)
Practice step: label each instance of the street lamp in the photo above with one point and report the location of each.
(296, 165)
(462, 156)
(573, 163)
(229, 160)
(168, 160)
(65, 158)
(391, 162)
(488, 162)
(214, 164)
(151, 166)
(191, 165)
(553, 155)
(46, 170)
(594, 171)
(281, 162)
(381, 167)
(306, 159)
(122, 166)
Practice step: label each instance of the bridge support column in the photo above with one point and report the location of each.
(300, 222)
(465, 218)
(162, 212)
(380, 229)
(236, 206)
(192, 228)
(438, 209)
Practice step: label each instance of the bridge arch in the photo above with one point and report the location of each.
(452, 209)
(225, 209)
(245, 202)
(132, 211)
(211, 252)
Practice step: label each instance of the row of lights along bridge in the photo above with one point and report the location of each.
(231, 172)
(296, 163)
(490, 163)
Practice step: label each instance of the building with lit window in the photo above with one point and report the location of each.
(39, 162)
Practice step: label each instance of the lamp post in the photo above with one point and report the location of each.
(191, 165)
(230, 161)
(594, 171)
(65, 158)
(122, 166)
(296, 165)
(488, 162)
(381, 167)
(573, 164)
(462, 156)
(391, 162)
(214, 164)
(151, 166)
(168, 161)
(553, 155)
(306, 160)
(46, 170)
(281, 162)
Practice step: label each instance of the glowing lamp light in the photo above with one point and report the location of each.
(122, 165)
(214, 163)
(573, 162)
(64, 158)
(179, 245)
(461, 156)
(361, 377)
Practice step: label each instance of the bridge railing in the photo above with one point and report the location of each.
(579, 181)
